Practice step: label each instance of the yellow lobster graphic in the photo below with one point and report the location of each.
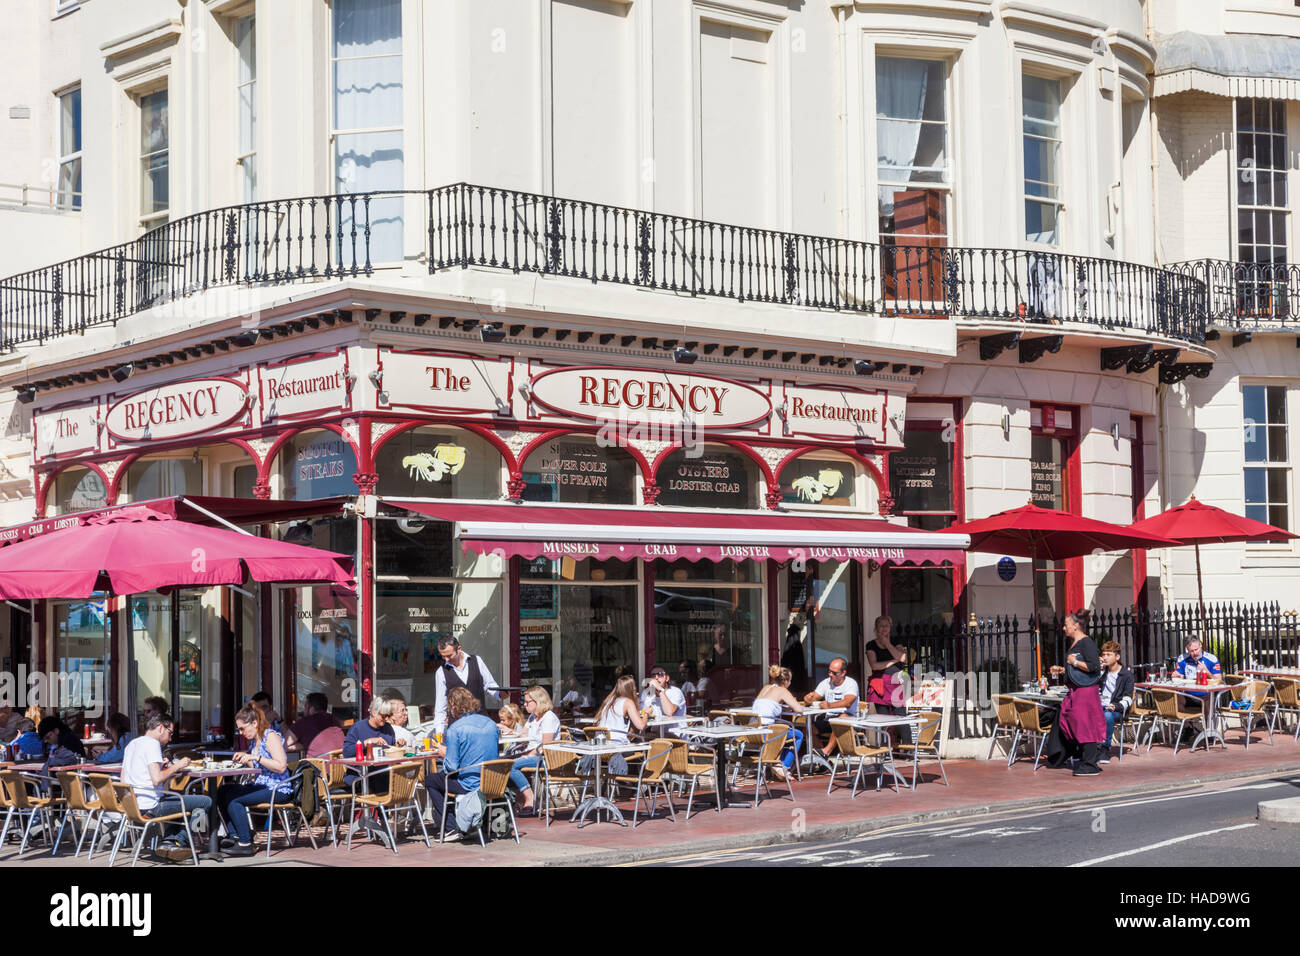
(434, 466)
(812, 489)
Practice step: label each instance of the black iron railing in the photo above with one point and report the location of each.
(351, 234)
(997, 654)
(1247, 295)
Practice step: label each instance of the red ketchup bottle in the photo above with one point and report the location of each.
(361, 751)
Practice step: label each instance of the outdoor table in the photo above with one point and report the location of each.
(881, 723)
(367, 768)
(209, 777)
(662, 724)
(88, 742)
(813, 756)
(719, 736)
(599, 801)
(1040, 698)
(1208, 694)
(1290, 673)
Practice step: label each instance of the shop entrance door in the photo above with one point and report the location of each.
(825, 622)
(322, 649)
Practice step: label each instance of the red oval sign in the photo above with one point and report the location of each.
(177, 410)
(650, 395)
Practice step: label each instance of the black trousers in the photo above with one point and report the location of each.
(438, 786)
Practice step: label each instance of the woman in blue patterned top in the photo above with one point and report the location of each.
(266, 754)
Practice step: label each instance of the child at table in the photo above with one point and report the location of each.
(511, 720)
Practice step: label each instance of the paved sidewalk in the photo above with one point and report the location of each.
(976, 786)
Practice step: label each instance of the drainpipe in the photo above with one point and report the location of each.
(844, 119)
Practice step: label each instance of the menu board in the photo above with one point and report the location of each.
(713, 480)
(1045, 473)
(578, 472)
(920, 476)
(535, 645)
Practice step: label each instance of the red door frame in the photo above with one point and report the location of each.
(1073, 493)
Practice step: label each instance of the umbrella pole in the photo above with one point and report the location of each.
(1200, 590)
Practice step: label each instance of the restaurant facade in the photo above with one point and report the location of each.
(568, 518)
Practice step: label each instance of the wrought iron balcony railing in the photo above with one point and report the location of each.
(283, 241)
(1247, 295)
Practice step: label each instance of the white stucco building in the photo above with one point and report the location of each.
(971, 226)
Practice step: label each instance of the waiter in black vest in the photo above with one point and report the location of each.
(459, 670)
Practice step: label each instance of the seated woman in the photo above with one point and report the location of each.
(267, 754)
(542, 727)
(771, 700)
(619, 710)
(119, 731)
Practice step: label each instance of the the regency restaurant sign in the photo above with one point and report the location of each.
(177, 410)
(637, 395)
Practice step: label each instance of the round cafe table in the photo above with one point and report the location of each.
(208, 778)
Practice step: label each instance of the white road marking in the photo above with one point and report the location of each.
(1163, 843)
(1185, 796)
(877, 859)
(998, 832)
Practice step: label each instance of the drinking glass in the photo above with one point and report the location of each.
(1164, 673)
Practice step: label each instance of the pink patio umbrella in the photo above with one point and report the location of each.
(135, 550)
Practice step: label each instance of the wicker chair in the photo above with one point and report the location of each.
(1007, 724)
(286, 807)
(402, 781)
(849, 746)
(766, 756)
(560, 770)
(133, 819)
(1257, 692)
(1035, 724)
(745, 717)
(494, 781)
(331, 790)
(1169, 711)
(21, 794)
(74, 792)
(1286, 691)
(650, 779)
(102, 784)
(683, 765)
(925, 744)
(1143, 710)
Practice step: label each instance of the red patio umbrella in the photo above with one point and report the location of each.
(1050, 535)
(1197, 524)
(137, 549)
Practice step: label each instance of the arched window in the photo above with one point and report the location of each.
(316, 464)
(77, 489)
(162, 477)
(576, 469)
(823, 479)
(715, 476)
(436, 461)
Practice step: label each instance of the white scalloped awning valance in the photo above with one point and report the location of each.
(1237, 65)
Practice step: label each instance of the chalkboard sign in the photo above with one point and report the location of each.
(535, 656)
(920, 476)
(536, 601)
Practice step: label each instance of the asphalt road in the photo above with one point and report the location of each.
(1211, 825)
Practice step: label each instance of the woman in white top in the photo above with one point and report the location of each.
(771, 700)
(542, 727)
(619, 710)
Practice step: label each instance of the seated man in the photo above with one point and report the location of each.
(1194, 659)
(837, 690)
(1116, 691)
(661, 698)
(147, 772)
(472, 738)
(28, 742)
(9, 719)
(54, 729)
(375, 730)
(319, 730)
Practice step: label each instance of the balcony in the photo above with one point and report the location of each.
(1250, 296)
(348, 235)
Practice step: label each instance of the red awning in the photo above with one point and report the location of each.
(532, 530)
(195, 508)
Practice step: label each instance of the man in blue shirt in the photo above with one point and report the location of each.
(373, 730)
(472, 738)
(1194, 659)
